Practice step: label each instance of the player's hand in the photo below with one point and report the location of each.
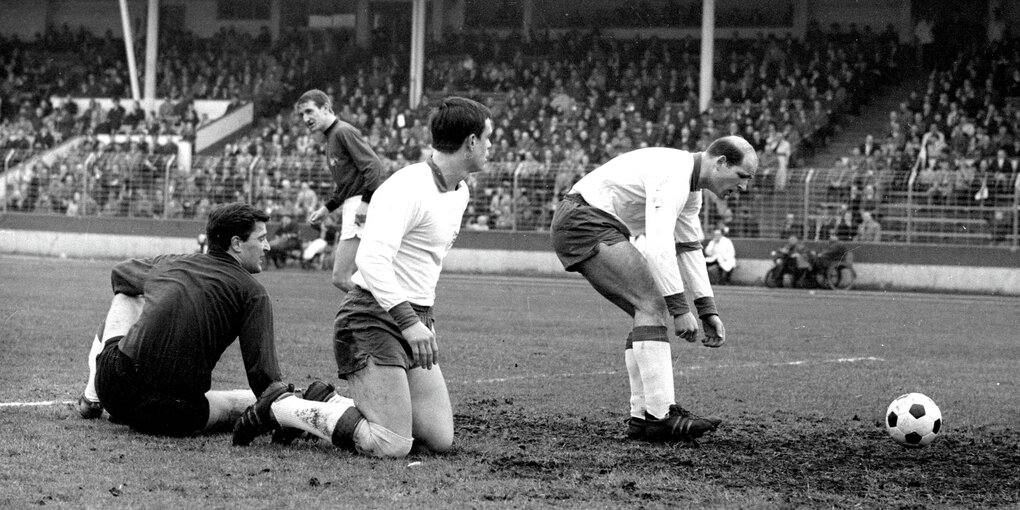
(423, 345)
(317, 215)
(715, 331)
(686, 326)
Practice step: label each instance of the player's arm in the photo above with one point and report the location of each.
(692, 266)
(258, 343)
(390, 217)
(129, 276)
(662, 207)
(691, 261)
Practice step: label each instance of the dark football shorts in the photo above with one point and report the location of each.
(578, 228)
(137, 404)
(364, 331)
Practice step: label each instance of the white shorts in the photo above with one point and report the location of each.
(352, 218)
(314, 248)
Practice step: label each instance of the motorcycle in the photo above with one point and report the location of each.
(812, 270)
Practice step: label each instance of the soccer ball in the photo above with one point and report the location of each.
(913, 420)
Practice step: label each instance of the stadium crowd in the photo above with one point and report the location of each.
(561, 105)
(956, 135)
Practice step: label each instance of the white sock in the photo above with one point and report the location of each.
(90, 386)
(338, 399)
(318, 418)
(124, 312)
(637, 389)
(655, 364)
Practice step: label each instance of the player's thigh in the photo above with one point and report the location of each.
(432, 414)
(383, 396)
(621, 274)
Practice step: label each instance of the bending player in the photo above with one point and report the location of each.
(357, 172)
(644, 192)
(384, 335)
(171, 318)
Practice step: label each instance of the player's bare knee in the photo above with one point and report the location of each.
(441, 444)
(378, 441)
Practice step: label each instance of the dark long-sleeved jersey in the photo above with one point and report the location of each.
(195, 306)
(356, 168)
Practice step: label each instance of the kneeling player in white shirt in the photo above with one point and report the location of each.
(384, 338)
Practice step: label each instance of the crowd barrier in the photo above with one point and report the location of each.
(892, 266)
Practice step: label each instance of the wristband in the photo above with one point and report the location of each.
(705, 306)
(404, 315)
(677, 304)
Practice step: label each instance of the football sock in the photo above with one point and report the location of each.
(321, 419)
(337, 398)
(124, 312)
(637, 390)
(654, 360)
(226, 406)
(90, 386)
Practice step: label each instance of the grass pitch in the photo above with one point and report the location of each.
(535, 371)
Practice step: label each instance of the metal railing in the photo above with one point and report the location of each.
(506, 196)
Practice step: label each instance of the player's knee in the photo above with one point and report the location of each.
(378, 441)
(440, 443)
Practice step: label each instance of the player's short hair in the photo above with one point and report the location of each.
(727, 146)
(229, 220)
(454, 120)
(317, 97)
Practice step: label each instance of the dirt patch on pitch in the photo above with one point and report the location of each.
(775, 460)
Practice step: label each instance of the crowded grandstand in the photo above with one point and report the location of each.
(885, 118)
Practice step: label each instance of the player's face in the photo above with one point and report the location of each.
(480, 149)
(251, 252)
(730, 179)
(316, 118)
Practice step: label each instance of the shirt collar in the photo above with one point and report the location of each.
(335, 123)
(437, 176)
(696, 174)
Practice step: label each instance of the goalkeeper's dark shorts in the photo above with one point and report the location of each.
(578, 228)
(364, 331)
(141, 406)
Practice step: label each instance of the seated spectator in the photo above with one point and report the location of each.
(285, 240)
(790, 227)
(845, 228)
(869, 231)
(721, 255)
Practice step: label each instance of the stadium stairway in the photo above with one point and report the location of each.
(872, 118)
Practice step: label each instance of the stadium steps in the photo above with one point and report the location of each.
(872, 118)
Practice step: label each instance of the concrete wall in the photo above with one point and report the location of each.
(879, 266)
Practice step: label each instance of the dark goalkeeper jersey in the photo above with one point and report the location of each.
(195, 306)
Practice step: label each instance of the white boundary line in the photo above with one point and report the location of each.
(42, 403)
(498, 380)
(680, 369)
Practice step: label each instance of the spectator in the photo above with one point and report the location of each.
(870, 230)
(790, 227)
(285, 240)
(721, 255)
(845, 228)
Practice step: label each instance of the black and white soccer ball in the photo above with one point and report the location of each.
(913, 420)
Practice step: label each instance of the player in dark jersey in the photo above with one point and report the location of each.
(172, 318)
(357, 172)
